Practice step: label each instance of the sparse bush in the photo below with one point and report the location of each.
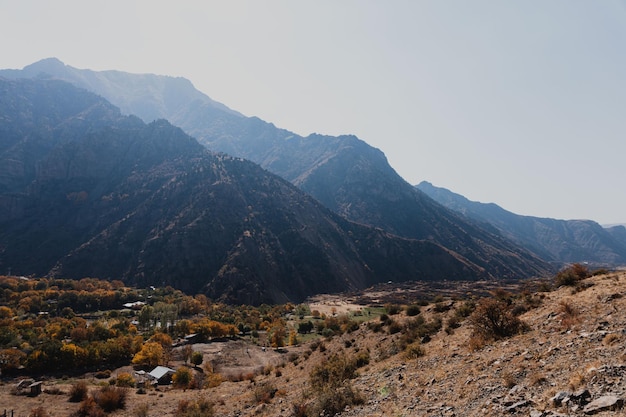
(362, 359)
(465, 309)
(333, 403)
(263, 393)
(509, 380)
(213, 380)
(394, 327)
(182, 378)
(569, 314)
(141, 410)
(198, 408)
(103, 374)
(414, 351)
(125, 380)
(577, 380)
(197, 358)
(332, 373)
(89, 408)
(493, 319)
(110, 398)
(610, 339)
(412, 310)
(54, 391)
(454, 322)
(537, 379)
(78, 392)
(571, 275)
(393, 309)
(38, 412)
(300, 409)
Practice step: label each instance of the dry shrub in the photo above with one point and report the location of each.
(110, 398)
(198, 408)
(263, 393)
(610, 339)
(414, 351)
(125, 380)
(536, 379)
(333, 403)
(78, 392)
(141, 410)
(509, 380)
(577, 380)
(300, 409)
(569, 314)
(54, 391)
(214, 380)
(571, 275)
(476, 342)
(38, 412)
(493, 319)
(88, 408)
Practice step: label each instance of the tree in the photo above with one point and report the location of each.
(197, 358)
(277, 335)
(151, 354)
(305, 327)
(182, 378)
(293, 338)
(186, 353)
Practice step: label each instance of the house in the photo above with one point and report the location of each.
(161, 375)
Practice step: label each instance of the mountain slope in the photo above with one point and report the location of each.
(90, 192)
(562, 241)
(344, 173)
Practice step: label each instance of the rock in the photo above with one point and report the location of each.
(560, 397)
(519, 404)
(605, 403)
(581, 397)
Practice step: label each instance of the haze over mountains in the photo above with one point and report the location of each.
(343, 173)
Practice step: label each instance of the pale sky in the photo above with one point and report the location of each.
(521, 103)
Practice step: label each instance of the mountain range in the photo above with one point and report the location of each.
(85, 190)
(558, 241)
(343, 173)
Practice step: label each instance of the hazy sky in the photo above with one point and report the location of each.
(521, 103)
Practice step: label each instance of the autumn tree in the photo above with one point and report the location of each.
(151, 354)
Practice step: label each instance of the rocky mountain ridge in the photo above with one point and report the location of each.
(343, 173)
(559, 241)
(85, 191)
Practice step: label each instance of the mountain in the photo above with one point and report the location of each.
(344, 173)
(86, 191)
(560, 241)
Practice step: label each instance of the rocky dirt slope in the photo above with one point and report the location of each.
(570, 362)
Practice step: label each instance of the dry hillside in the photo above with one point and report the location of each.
(570, 357)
